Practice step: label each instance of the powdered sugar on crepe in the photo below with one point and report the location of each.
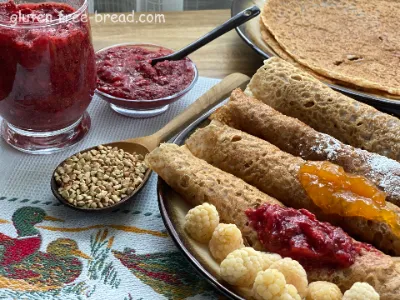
(384, 171)
(388, 171)
(327, 146)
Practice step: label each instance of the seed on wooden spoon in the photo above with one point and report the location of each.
(100, 177)
(144, 145)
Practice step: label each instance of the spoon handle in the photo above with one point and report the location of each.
(211, 98)
(232, 23)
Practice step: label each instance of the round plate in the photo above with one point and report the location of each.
(250, 33)
(173, 210)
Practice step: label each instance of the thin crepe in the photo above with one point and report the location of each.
(258, 119)
(176, 165)
(352, 41)
(269, 41)
(296, 93)
(275, 173)
(268, 38)
(198, 182)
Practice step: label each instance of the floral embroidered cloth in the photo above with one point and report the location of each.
(48, 251)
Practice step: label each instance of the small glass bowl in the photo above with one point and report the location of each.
(144, 108)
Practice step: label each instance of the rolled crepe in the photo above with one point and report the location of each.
(198, 182)
(275, 173)
(295, 137)
(297, 94)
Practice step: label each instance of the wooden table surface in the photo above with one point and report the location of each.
(221, 57)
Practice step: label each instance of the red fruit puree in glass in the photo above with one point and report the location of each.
(126, 72)
(296, 233)
(48, 73)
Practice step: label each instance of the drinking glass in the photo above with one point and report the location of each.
(47, 74)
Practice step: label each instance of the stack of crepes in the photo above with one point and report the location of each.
(351, 43)
(251, 153)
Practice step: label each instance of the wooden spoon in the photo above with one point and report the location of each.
(144, 145)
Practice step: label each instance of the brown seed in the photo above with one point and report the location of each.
(115, 198)
(99, 177)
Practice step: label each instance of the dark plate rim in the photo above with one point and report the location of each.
(384, 104)
(171, 228)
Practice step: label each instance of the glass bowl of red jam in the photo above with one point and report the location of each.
(133, 87)
(47, 74)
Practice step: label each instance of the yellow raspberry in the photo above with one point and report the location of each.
(291, 292)
(225, 239)
(323, 290)
(201, 221)
(271, 285)
(294, 274)
(269, 259)
(361, 291)
(241, 266)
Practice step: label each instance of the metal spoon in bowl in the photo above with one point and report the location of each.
(144, 145)
(232, 23)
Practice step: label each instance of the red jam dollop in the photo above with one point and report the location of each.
(48, 72)
(126, 72)
(299, 235)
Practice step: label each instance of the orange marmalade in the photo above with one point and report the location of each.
(336, 192)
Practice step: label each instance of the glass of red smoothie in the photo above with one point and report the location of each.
(47, 74)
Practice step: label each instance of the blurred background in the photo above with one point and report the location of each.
(156, 5)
